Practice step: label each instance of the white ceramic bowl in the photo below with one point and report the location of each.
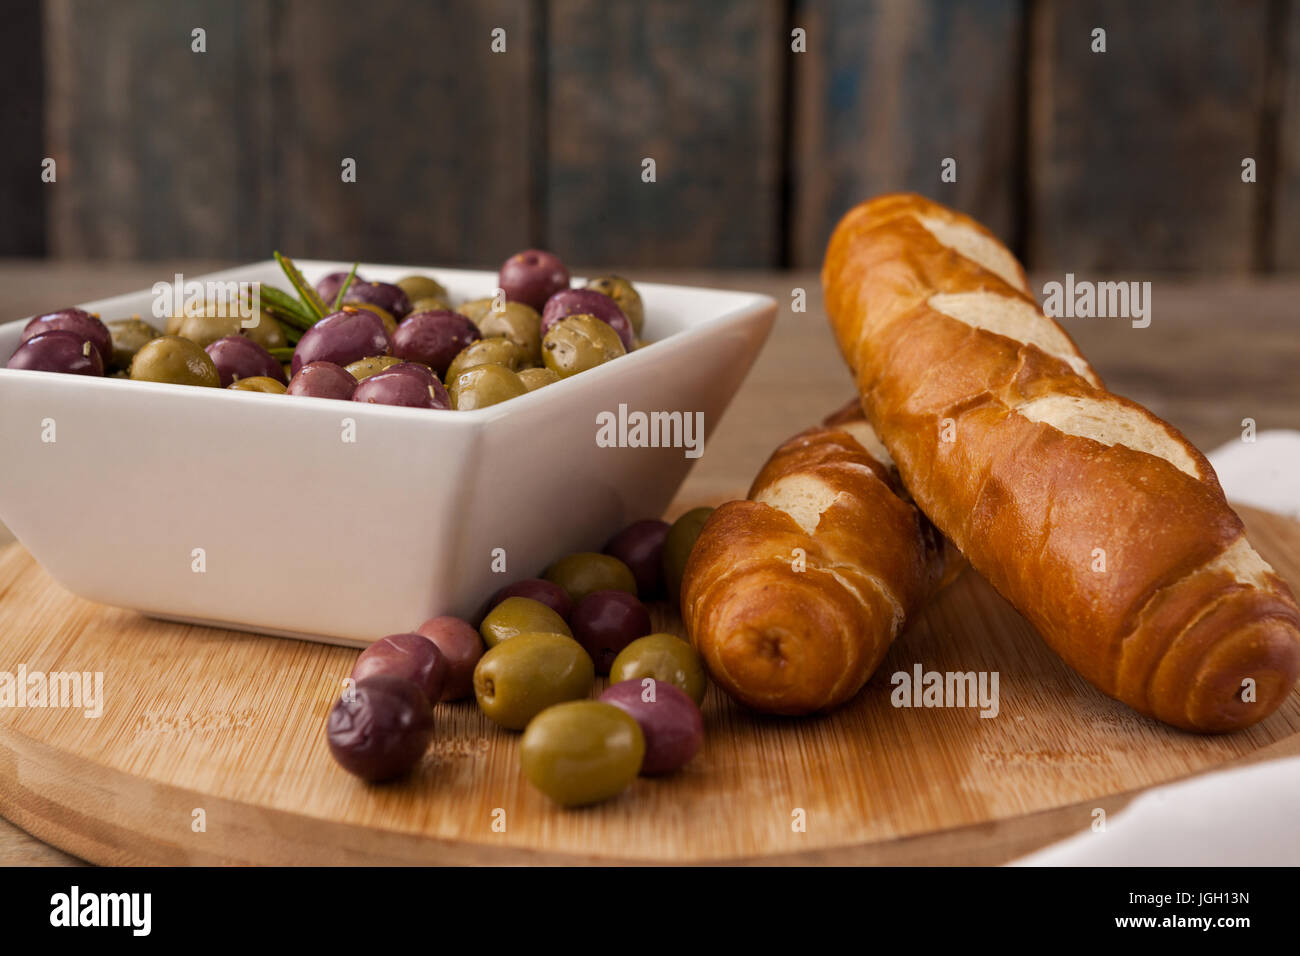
(306, 535)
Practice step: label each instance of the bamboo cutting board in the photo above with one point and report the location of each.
(210, 749)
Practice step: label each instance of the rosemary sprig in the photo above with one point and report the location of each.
(306, 293)
(343, 289)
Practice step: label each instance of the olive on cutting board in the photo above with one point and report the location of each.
(461, 648)
(410, 656)
(520, 615)
(586, 572)
(381, 728)
(671, 722)
(519, 678)
(582, 752)
(666, 658)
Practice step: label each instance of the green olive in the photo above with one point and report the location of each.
(475, 309)
(520, 324)
(664, 657)
(586, 572)
(390, 323)
(128, 335)
(171, 358)
(578, 343)
(535, 378)
(521, 677)
(484, 385)
(205, 329)
(258, 383)
(582, 752)
(431, 304)
(625, 296)
(493, 351)
(677, 548)
(366, 367)
(422, 287)
(520, 615)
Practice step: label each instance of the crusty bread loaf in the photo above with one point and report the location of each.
(1096, 519)
(793, 596)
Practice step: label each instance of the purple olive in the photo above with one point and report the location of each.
(402, 388)
(588, 302)
(423, 372)
(387, 296)
(323, 380)
(237, 357)
(671, 723)
(328, 287)
(381, 729)
(461, 647)
(412, 656)
(342, 337)
(532, 277)
(536, 589)
(58, 351)
(641, 547)
(605, 622)
(434, 338)
(78, 321)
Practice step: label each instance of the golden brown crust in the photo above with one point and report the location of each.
(1129, 561)
(791, 620)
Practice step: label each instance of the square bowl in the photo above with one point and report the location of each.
(339, 521)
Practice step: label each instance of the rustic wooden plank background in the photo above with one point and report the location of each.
(1127, 160)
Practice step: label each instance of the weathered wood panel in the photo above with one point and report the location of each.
(437, 123)
(1285, 252)
(694, 86)
(159, 148)
(886, 91)
(22, 196)
(1136, 153)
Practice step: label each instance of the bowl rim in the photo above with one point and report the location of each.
(752, 304)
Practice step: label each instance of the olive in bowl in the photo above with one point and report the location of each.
(407, 389)
(323, 380)
(625, 297)
(342, 337)
(518, 323)
(328, 287)
(371, 365)
(532, 277)
(493, 351)
(237, 357)
(176, 361)
(434, 338)
(79, 322)
(535, 378)
(258, 383)
(579, 343)
(582, 752)
(485, 385)
(128, 335)
(588, 302)
(58, 351)
(422, 287)
(384, 295)
(380, 729)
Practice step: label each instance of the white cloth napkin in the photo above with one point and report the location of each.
(1241, 817)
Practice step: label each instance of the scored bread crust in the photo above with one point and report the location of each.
(791, 638)
(1097, 520)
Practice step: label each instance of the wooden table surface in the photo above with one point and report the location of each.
(1215, 353)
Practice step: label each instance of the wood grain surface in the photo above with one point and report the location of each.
(201, 723)
(694, 86)
(1214, 351)
(886, 92)
(1157, 126)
